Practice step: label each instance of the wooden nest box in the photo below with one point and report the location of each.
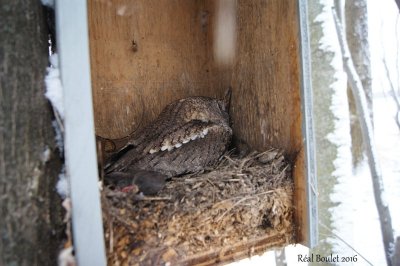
(145, 54)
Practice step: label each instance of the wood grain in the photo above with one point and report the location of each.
(146, 53)
(174, 60)
(132, 87)
(266, 111)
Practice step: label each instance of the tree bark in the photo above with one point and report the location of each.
(396, 252)
(323, 75)
(367, 135)
(356, 23)
(29, 162)
(393, 92)
(398, 4)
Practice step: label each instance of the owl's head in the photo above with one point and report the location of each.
(208, 109)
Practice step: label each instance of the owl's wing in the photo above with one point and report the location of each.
(169, 139)
(120, 159)
(179, 136)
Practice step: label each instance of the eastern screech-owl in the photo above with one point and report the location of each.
(187, 136)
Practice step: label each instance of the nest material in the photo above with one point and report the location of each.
(238, 201)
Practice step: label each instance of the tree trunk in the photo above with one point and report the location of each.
(29, 162)
(323, 75)
(368, 138)
(356, 23)
(398, 4)
(396, 252)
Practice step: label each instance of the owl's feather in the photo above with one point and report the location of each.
(188, 135)
(190, 131)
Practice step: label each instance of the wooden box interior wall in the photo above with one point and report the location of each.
(147, 53)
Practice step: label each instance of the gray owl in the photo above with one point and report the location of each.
(189, 135)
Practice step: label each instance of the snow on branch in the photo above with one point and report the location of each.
(48, 3)
(368, 139)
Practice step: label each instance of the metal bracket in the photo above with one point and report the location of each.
(308, 127)
(80, 149)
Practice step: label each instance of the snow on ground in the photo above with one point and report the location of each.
(385, 42)
(344, 194)
(356, 218)
(54, 93)
(54, 90)
(387, 136)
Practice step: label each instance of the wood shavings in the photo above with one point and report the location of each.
(243, 205)
(66, 256)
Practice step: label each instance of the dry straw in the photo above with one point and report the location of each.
(231, 205)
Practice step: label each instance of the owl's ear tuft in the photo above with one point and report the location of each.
(227, 98)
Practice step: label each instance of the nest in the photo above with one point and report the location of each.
(241, 207)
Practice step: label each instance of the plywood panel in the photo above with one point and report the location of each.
(145, 54)
(300, 200)
(266, 110)
(172, 58)
(267, 78)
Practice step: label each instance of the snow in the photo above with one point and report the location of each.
(344, 192)
(388, 142)
(66, 257)
(62, 186)
(356, 218)
(45, 156)
(384, 40)
(54, 89)
(59, 137)
(48, 3)
(54, 93)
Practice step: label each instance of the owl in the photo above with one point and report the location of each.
(188, 135)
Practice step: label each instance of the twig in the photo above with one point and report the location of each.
(245, 161)
(241, 196)
(234, 205)
(231, 160)
(59, 121)
(111, 229)
(147, 198)
(239, 201)
(115, 193)
(211, 183)
(392, 92)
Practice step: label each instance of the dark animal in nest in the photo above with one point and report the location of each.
(188, 135)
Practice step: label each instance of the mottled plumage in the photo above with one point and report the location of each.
(187, 136)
